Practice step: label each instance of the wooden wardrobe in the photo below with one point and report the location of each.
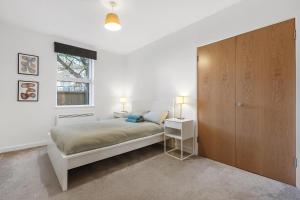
(247, 101)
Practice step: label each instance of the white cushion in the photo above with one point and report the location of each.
(157, 117)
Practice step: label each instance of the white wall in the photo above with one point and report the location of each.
(167, 67)
(27, 123)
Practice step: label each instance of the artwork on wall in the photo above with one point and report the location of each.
(28, 64)
(28, 91)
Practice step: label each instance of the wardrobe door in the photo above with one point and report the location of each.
(265, 94)
(216, 101)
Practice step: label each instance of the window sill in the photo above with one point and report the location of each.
(72, 107)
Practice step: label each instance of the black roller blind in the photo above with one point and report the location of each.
(75, 51)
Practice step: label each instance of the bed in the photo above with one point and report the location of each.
(78, 144)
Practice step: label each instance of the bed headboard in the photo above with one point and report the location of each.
(75, 118)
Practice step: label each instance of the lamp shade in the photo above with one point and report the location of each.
(180, 100)
(112, 22)
(123, 100)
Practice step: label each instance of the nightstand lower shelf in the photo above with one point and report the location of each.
(182, 155)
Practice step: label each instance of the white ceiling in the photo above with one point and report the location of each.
(143, 21)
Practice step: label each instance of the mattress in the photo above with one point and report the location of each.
(76, 138)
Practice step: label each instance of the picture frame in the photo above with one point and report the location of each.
(28, 91)
(28, 64)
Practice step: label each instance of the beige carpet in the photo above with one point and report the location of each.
(141, 174)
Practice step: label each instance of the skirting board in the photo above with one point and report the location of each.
(22, 146)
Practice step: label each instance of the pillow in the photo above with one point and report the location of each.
(156, 116)
(164, 116)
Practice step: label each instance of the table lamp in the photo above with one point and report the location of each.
(180, 101)
(123, 101)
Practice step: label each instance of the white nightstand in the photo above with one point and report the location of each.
(121, 114)
(179, 130)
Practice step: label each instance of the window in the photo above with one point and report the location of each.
(74, 80)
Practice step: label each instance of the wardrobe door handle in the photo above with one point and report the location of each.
(239, 104)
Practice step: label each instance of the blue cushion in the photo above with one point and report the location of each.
(135, 118)
(131, 116)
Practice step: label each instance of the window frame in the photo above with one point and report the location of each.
(90, 81)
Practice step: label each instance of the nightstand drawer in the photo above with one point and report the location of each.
(173, 124)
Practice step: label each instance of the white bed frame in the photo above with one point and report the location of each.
(62, 163)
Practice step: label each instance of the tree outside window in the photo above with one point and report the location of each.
(74, 80)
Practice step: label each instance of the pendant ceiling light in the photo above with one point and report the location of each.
(112, 21)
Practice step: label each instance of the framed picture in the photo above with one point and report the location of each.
(28, 91)
(28, 64)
